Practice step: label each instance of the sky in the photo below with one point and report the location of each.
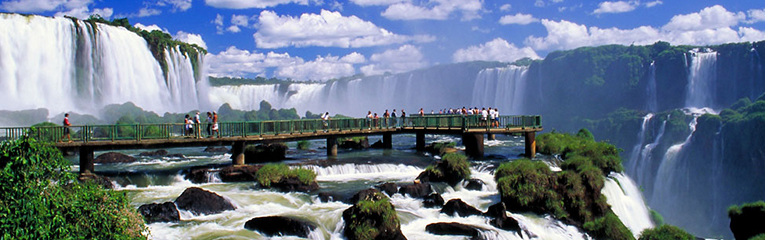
(325, 39)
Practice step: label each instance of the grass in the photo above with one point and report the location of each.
(665, 232)
(274, 173)
(369, 218)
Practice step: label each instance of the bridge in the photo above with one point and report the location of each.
(88, 138)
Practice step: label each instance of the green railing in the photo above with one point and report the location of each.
(138, 132)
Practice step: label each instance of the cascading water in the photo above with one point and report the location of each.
(670, 175)
(501, 87)
(635, 154)
(627, 202)
(70, 65)
(702, 74)
(651, 95)
(757, 70)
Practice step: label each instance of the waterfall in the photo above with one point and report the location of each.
(670, 175)
(756, 68)
(627, 202)
(635, 154)
(643, 168)
(702, 74)
(651, 98)
(347, 172)
(501, 87)
(70, 65)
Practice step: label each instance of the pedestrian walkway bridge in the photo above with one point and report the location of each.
(89, 138)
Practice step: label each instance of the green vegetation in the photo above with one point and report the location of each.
(735, 210)
(158, 41)
(441, 148)
(452, 168)
(274, 173)
(665, 232)
(303, 145)
(41, 199)
(371, 217)
(573, 194)
(656, 217)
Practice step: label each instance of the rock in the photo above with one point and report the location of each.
(265, 153)
(159, 212)
(113, 157)
(99, 180)
(294, 185)
(176, 155)
(378, 145)
(239, 173)
(364, 222)
(275, 226)
(453, 228)
(749, 221)
(329, 197)
(217, 149)
(474, 184)
(500, 219)
(359, 143)
(158, 153)
(198, 175)
(434, 200)
(200, 201)
(388, 187)
(366, 194)
(460, 208)
(416, 190)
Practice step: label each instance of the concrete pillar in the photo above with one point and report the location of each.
(387, 140)
(332, 146)
(531, 144)
(86, 160)
(491, 136)
(473, 144)
(237, 153)
(420, 141)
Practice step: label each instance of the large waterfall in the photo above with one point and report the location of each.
(70, 65)
(701, 78)
(493, 87)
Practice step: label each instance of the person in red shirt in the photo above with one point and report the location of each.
(67, 131)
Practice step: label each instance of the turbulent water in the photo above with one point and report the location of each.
(159, 180)
(495, 87)
(65, 65)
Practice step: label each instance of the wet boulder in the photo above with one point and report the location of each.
(99, 180)
(275, 226)
(295, 185)
(457, 206)
(176, 155)
(415, 190)
(366, 194)
(200, 201)
(378, 145)
(330, 197)
(198, 175)
(377, 220)
(453, 228)
(474, 184)
(113, 157)
(159, 212)
(388, 187)
(498, 213)
(748, 220)
(434, 200)
(357, 143)
(213, 149)
(265, 153)
(238, 173)
(158, 153)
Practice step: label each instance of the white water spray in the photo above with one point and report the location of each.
(651, 95)
(702, 74)
(627, 202)
(503, 87)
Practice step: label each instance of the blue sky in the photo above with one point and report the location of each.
(323, 39)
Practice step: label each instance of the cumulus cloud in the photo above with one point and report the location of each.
(616, 7)
(518, 18)
(755, 15)
(494, 50)
(190, 38)
(245, 4)
(147, 12)
(84, 12)
(322, 68)
(653, 4)
(712, 25)
(178, 5)
(366, 3)
(434, 10)
(43, 5)
(505, 7)
(240, 20)
(148, 28)
(402, 59)
(327, 29)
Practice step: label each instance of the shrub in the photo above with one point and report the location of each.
(609, 227)
(42, 200)
(585, 134)
(665, 232)
(656, 217)
(274, 173)
(528, 185)
(457, 165)
(304, 145)
(370, 218)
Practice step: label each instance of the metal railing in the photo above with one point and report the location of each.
(138, 132)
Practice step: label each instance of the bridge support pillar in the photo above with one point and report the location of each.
(531, 144)
(473, 144)
(491, 136)
(332, 146)
(237, 153)
(387, 140)
(420, 139)
(86, 160)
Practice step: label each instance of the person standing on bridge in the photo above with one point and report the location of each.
(209, 124)
(187, 126)
(324, 120)
(403, 118)
(198, 124)
(215, 125)
(369, 119)
(67, 131)
(393, 116)
(386, 115)
(422, 113)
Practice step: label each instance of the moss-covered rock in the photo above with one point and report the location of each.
(665, 232)
(608, 227)
(441, 148)
(286, 179)
(747, 220)
(372, 216)
(452, 169)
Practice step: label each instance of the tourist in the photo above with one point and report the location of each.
(484, 117)
(67, 131)
(376, 119)
(197, 123)
(369, 119)
(187, 126)
(393, 116)
(496, 117)
(209, 124)
(324, 119)
(422, 113)
(215, 124)
(403, 117)
(491, 116)
(386, 115)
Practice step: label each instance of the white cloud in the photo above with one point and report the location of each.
(244, 4)
(147, 12)
(337, 6)
(405, 58)
(218, 21)
(178, 5)
(148, 28)
(366, 3)
(505, 7)
(539, 3)
(327, 29)
(43, 5)
(712, 25)
(240, 20)
(322, 68)
(518, 18)
(708, 18)
(84, 12)
(233, 29)
(434, 10)
(190, 38)
(616, 7)
(755, 15)
(494, 50)
(237, 63)
(653, 4)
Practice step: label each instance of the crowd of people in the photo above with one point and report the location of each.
(489, 116)
(192, 123)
